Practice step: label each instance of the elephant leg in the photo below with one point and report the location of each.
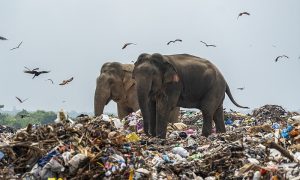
(174, 115)
(162, 119)
(122, 111)
(207, 123)
(152, 123)
(219, 120)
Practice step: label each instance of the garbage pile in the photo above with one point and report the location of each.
(6, 129)
(106, 147)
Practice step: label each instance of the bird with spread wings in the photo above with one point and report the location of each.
(20, 100)
(35, 72)
(17, 46)
(243, 13)
(2, 38)
(208, 45)
(127, 44)
(64, 82)
(283, 56)
(179, 40)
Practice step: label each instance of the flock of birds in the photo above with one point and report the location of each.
(212, 45)
(35, 72)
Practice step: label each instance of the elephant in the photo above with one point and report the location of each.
(164, 82)
(115, 83)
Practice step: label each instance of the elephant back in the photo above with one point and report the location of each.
(128, 67)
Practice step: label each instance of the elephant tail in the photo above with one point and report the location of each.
(231, 98)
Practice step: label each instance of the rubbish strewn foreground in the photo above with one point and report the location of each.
(261, 145)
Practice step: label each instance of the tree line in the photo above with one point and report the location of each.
(23, 118)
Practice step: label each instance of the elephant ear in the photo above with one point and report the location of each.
(170, 74)
(127, 80)
(168, 70)
(142, 58)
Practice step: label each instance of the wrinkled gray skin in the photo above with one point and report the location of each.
(115, 83)
(168, 81)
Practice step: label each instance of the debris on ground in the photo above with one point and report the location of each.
(261, 145)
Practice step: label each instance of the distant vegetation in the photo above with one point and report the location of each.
(23, 118)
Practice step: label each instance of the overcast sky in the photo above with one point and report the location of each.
(74, 38)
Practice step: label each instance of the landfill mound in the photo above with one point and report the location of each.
(263, 145)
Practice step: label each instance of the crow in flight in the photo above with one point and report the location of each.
(278, 57)
(241, 88)
(20, 100)
(64, 82)
(207, 45)
(35, 72)
(179, 40)
(2, 38)
(23, 115)
(17, 46)
(127, 44)
(243, 13)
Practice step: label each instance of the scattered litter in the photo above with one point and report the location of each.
(261, 145)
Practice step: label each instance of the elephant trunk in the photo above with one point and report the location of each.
(102, 97)
(143, 89)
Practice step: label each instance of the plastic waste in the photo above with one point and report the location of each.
(276, 126)
(253, 161)
(256, 175)
(117, 123)
(62, 117)
(285, 131)
(132, 137)
(105, 117)
(44, 160)
(1, 155)
(166, 158)
(75, 162)
(181, 151)
(296, 118)
(228, 122)
(183, 135)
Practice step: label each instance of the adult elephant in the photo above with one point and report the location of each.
(115, 83)
(168, 81)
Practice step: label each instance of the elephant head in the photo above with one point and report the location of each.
(114, 80)
(152, 73)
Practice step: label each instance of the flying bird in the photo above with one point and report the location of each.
(278, 57)
(50, 80)
(179, 40)
(127, 44)
(241, 88)
(66, 81)
(35, 72)
(23, 115)
(17, 46)
(207, 45)
(2, 38)
(20, 100)
(243, 13)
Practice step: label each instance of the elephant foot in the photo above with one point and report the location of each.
(161, 136)
(221, 131)
(153, 133)
(205, 134)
